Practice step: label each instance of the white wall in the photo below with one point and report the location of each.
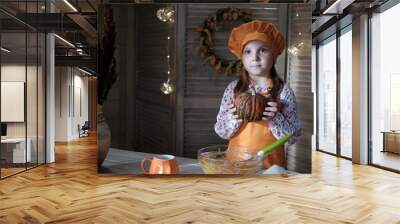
(71, 94)
(81, 96)
(61, 103)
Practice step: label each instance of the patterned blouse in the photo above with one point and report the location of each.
(283, 123)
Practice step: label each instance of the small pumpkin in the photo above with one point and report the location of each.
(250, 105)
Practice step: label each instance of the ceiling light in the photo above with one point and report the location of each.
(70, 5)
(84, 71)
(79, 44)
(65, 41)
(80, 51)
(331, 7)
(338, 6)
(5, 50)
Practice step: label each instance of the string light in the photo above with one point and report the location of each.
(167, 15)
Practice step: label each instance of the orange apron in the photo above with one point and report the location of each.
(253, 136)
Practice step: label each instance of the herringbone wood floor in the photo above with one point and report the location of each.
(71, 191)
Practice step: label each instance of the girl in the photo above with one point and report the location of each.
(257, 44)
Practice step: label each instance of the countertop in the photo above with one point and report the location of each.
(128, 162)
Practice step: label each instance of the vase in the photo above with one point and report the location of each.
(103, 136)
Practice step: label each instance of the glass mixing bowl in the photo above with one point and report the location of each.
(215, 160)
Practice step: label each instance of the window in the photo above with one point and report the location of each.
(385, 88)
(346, 92)
(327, 96)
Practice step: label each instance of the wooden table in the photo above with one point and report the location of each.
(391, 141)
(128, 162)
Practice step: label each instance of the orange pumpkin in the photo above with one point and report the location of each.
(250, 106)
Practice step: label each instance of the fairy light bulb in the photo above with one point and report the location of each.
(166, 87)
(294, 50)
(166, 14)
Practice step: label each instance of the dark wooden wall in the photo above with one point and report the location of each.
(154, 114)
(119, 108)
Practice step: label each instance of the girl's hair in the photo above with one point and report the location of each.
(244, 81)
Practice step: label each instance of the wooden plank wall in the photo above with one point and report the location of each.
(119, 106)
(203, 88)
(299, 79)
(154, 111)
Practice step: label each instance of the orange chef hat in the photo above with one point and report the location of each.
(256, 30)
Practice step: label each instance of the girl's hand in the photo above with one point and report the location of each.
(270, 111)
(232, 113)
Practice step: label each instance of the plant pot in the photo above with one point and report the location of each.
(103, 136)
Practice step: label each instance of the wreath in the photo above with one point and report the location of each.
(206, 30)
